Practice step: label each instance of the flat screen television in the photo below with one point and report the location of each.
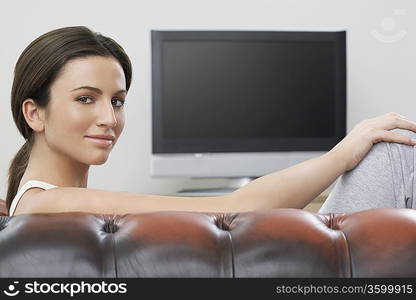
(242, 104)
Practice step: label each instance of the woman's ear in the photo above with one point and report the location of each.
(34, 116)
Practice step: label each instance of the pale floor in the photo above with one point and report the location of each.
(316, 204)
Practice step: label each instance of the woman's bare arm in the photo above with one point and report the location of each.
(70, 199)
(298, 185)
(279, 189)
(292, 187)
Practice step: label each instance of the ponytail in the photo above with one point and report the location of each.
(17, 169)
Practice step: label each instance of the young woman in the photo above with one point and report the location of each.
(67, 99)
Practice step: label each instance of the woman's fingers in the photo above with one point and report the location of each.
(393, 120)
(405, 124)
(390, 121)
(393, 137)
(371, 131)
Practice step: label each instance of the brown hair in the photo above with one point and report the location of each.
(37, 68)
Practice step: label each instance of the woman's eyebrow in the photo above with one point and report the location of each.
(97, 90)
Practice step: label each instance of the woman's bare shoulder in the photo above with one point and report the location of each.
(24, 204)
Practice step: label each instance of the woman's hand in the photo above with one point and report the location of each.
(365, 134)
(298, 185)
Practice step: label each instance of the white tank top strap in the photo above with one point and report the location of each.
(28, 185)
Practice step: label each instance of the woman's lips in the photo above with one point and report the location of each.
(100, 142)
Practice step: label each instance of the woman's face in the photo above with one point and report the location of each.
(86, 99)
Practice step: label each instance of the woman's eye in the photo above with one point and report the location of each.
(117, 102)
(84, 99)
(87, 100)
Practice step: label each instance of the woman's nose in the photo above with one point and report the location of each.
(106, 116)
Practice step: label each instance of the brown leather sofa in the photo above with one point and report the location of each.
(273, 243)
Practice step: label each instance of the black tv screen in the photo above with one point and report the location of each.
(247, 91)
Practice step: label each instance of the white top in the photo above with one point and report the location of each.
(28, 185)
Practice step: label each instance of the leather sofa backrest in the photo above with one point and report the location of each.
(272, 243)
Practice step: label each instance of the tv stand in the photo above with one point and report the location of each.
(235, 184)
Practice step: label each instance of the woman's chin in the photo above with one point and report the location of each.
(98, 160)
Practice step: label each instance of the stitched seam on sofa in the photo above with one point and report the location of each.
(114, 254)
(230, 223)
(232, 254)
(113, 243)
(348, 252)
(334, 226)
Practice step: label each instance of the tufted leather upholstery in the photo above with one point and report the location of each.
(273, 243)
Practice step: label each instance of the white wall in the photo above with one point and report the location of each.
(381, 75)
